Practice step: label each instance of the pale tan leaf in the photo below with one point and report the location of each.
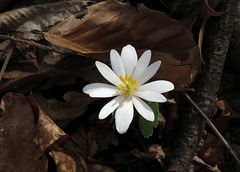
(37, 17)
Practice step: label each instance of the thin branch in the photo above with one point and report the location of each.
(214, 129)
(44, 47)
(9, 55)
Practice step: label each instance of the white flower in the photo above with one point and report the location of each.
(128, 76)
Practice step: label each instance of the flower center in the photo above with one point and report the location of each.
(128, 85)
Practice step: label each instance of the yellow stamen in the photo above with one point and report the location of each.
(128, 85)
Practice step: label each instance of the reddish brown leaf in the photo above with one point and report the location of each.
(25, 134)
(18, 152)
(223, 105)
(212, 152)
(64, 162)
(112, 25)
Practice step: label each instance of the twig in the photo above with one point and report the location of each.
(34, 44)
(214, 129)
(10, 52)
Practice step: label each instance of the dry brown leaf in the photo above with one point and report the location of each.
(112, 24)
(37, 17)
(223, 105)
(64, 112)
(91, 139)
(154, 152)
(26, 132)
(212, 152)
(47, 133)
(18, 152)
(105, 26)
(64, 162)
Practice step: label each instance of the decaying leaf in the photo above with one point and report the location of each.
(91, 139)
(25, 134)
(38, 17)
(154, 152)
(212, 152)
(64, 112)
(223, 105)
(18, 151)
(64, 162)
(112, 25)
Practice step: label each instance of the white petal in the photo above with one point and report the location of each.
(151, 96)
(143, 109)
(107, 73)
(116, 63)
(124, 116)
(142, 64)
(110, 107)
(148, 73)
(129, 58)
(101, 90)
(160, 86)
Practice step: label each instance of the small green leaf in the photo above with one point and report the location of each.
(145, 126)
(113, 119)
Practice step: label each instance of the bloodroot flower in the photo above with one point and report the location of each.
(128, 75)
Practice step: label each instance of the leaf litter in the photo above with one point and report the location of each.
(89, 148)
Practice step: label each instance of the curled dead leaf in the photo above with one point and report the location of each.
(64, 162)
(154, 152)
(112, 25)
(25, 134)
(47, 132)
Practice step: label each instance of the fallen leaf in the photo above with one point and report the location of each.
(37, 17)
(226, 110)
(112, 24)
(64, 112)
(25, 135)
(231, 102)
(18, 152)
(64, 162)
(92, 137)
(213, 151)
(154, 152)
(47, 133)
